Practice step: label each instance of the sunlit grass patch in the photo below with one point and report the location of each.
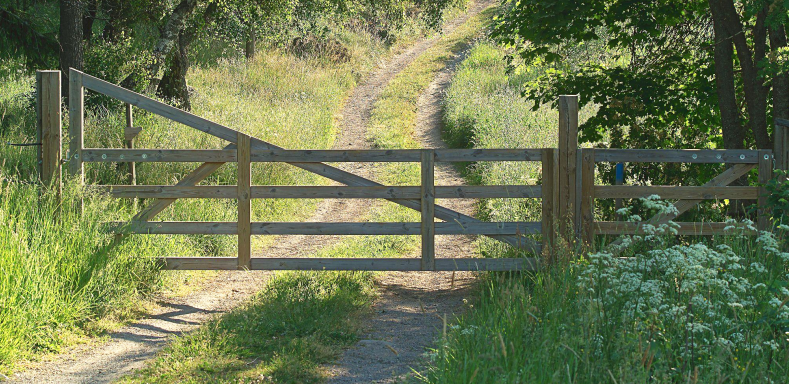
(299, 321)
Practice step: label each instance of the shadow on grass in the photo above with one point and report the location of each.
(296, 323)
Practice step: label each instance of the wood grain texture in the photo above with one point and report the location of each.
(550, 195)
(345, 264)
(674, 192)
(587, 196)
(730, 156)
(568, 148)
(318, 192)
(685, 228)
(317, 228)
(76, 113)
(765, 175)
(49, 129)
(428, 196)
(244, 202)
(107, 155)
(394, 155)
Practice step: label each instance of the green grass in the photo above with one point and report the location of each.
(706, 311)
(296, 323)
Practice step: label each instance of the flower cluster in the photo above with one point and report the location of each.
(697, 298)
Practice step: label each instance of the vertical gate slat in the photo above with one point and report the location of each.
(244, 206)
(549, 200)
(76, 112)
(765, 175)
(587, 196)
(428, 211)
(49, 128)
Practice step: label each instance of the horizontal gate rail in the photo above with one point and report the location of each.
(683, 228)
(729, 156)
(112, 155)
(354, 264)
(314, 228)
(674, 192)
(320, 192)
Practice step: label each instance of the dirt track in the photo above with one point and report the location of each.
(409, 310)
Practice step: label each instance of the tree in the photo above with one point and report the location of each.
(667, 67)
(70, 36)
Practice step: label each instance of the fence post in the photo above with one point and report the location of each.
(550, 159)
(587, 196)
(76, 115)
(428, 191)
(765, 175)
(129, 134)
(781, 146)
(48, 129)
(244, 206)
(568, 162)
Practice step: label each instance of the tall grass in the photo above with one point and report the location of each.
(708, 311)
(58, 268)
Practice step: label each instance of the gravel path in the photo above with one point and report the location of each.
(413, 306)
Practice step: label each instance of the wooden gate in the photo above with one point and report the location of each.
(568, 191)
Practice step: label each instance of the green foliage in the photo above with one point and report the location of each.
(297, 322)
(778, 197)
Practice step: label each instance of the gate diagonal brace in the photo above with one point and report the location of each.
(231, 135)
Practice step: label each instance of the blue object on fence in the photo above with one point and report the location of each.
(620, 173)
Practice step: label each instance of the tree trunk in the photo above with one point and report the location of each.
(249, 49)
(780, 80)
(70, 36)
(167, 40)
(732, 129)
(173, 85)
(88, 19)
(755, 92)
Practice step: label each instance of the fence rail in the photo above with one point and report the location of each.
(568, 190)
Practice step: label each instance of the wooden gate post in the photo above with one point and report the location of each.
(781, 146)
(568, 166)
(48, 129)
(550, 204)
(428, 191)
(244, 206)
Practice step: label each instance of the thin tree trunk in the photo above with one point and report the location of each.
(167, 40)
(732, 129)
(88, 19)
(755, 92)
(249, 49)
(173, 84)
(781, 80)
(70, 36)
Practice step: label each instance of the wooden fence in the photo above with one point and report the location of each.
(567, 192)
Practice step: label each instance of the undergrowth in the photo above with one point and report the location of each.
(706, 310)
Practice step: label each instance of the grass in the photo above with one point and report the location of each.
(702, 311)
(297, 322)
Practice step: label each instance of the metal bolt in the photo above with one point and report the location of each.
(144, 155)
(122, 157)
(76, 155)
(767, 157)
(695, 156)
(718, 156)
(104, 156)
(742, 157)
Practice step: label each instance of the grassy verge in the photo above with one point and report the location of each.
(706, 311)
